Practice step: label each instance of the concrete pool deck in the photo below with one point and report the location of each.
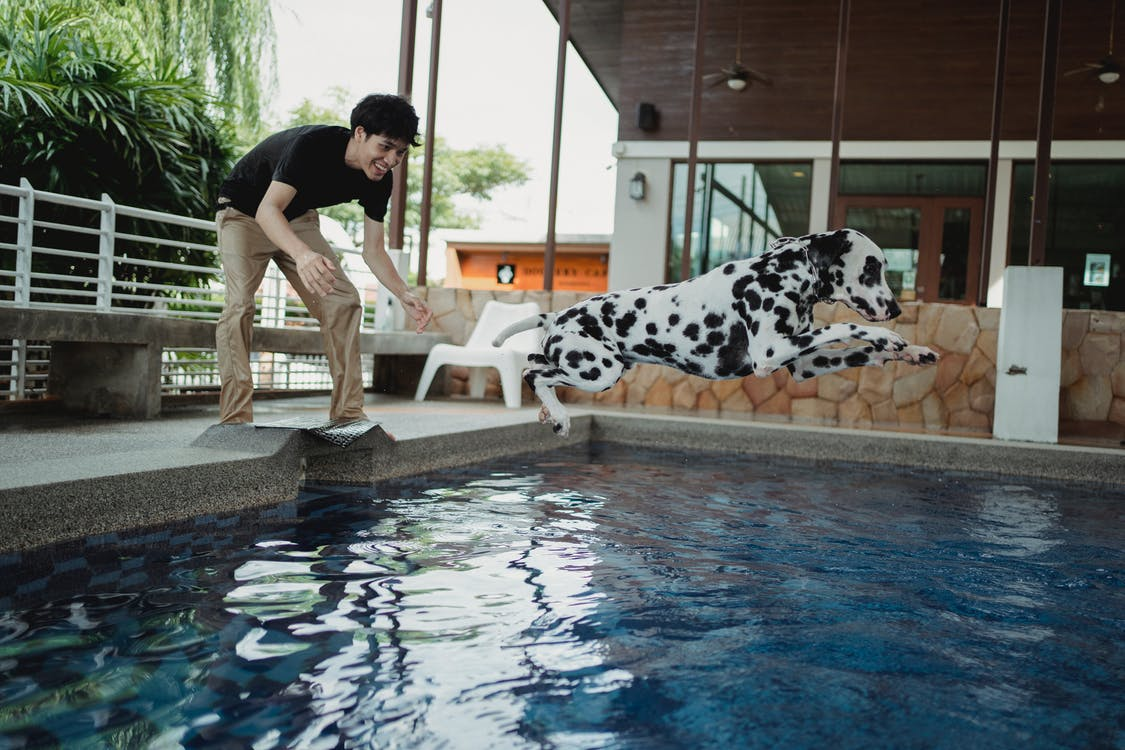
(68, 478)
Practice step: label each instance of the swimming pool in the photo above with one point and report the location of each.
(611, 597)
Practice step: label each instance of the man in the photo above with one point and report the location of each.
(267, 210)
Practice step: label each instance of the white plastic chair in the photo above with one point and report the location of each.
(479, 353)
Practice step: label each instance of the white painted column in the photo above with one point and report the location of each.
(996, 254)
(1029, 355)
(640, 228)
(819, 220)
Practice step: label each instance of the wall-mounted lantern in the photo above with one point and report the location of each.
(637, 187)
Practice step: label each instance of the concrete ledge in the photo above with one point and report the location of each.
(915, 451)
(107, 363)
(236, 467)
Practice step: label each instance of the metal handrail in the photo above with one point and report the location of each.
(24, 287)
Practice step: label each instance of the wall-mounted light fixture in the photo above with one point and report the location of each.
(637, 187)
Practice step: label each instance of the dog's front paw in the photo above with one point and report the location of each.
(892, 343)
(918, 355)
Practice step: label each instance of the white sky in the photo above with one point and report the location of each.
(496, 86)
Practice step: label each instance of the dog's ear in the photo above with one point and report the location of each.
(825, 249)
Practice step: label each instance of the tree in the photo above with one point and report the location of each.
(228, 45)
(82, 117)
(476, 172)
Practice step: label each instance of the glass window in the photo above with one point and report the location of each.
(1085, 229)
(913, 178)
(743, 206)
(895, 230)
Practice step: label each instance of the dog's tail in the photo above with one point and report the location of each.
(535, 321)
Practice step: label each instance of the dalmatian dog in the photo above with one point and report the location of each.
(746, 317)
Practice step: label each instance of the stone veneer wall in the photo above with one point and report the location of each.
(957, 395)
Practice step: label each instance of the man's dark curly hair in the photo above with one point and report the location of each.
(386, 114)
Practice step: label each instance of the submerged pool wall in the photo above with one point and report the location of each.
(958, 395)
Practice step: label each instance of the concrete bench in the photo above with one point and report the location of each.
(110, 363)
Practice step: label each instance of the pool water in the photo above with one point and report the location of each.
(606, 598)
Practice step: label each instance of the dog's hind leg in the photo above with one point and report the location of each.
(543, 382)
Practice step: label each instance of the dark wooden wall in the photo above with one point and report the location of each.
(916, 70)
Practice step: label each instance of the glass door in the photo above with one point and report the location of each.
(932, 245)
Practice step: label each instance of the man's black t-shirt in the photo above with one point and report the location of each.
(310, 159)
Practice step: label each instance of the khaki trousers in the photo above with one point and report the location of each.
(246, 253)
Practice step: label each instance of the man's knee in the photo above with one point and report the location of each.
(238, 309)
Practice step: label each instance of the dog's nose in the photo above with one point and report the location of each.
(893, 309)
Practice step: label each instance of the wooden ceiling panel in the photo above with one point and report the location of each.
(917, 69)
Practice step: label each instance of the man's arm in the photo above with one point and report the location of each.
(316, 271)
(375, 255)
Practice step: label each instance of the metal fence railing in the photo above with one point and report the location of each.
(65, 252)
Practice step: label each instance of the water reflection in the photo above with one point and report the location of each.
(1017, 520)
(624, 599)
(424, 626)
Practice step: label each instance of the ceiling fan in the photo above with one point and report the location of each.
(1106, 70)
(737, 76)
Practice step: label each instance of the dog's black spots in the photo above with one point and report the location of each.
(702, 350)
(651, 329)
(728, 269)
(573, 359)
(852, 327)
(673, 319)
(641, 350)
(590, 327)
(838, 278)
(787, 260)
(592, 374)
(626, 322)
(793, 297)
(556, 339)
(661, 287)
(691, 331)
(782, 325)
(741, 284)
(772, 282)
(608, 308)
(715, 338)
(588, 356)
(872, 274)
(693, 368)
(661, 349)
(803, 340)
(863, 307)
(767, 304)
(769, 353)
(732, 355)
(821, 361)
(607, 363)
(713, 320)
(753, 300)
(640, 303)
(857, 359)
(754, 326)
(808, 375)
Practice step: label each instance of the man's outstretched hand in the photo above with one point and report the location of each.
(418, 310)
